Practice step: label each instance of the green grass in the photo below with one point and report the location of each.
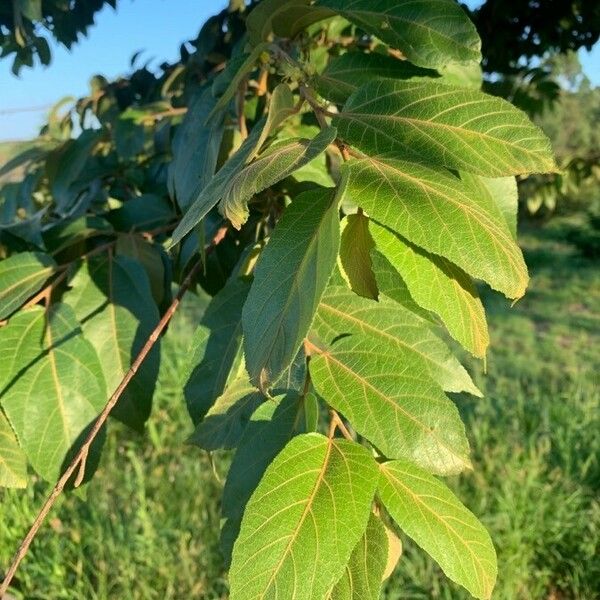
(149, 526)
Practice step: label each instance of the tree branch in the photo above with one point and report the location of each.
(78, 461)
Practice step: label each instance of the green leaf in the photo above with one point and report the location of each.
(129, 134)
(67, 233)
(286, 18)
(505, 194)
(429, 33)
(295, 19)
(52, 399)
(310, 508)
(195, 149)
(13, 463)
(281, 106)
(467, 75)
(427, 511)
(111, 298)
(270, 428)
(21, 276)
(391, 401)
(153, 258)
(451, 217)
(224, 423)
(247, 65)
(364, 572)
(66, 165)
(356, 244)
(215, 348)
(388, 323)
(346, 73)
(142, 213)
(259, 24)
(282, 303)
(442, 125)
(439, 286)
(391, 284)
(270, 167)
(31, 9)
(210, 195)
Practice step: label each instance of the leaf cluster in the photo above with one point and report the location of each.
(345, 184)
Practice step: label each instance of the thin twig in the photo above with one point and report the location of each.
(47, 290)
(81, 455)
(339, 423)
(170, 112)
(320, 114)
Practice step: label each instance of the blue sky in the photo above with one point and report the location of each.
(156, 26)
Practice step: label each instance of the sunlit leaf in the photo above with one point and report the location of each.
(270, 428)
(386, 322)
(364, 572)
(288, 527)
(21, 276)
(427, 511)
(391, 401)
(506, 195)
(439, 286)
(451, 217)
(442, 125)
(13, 463)
(52, 399)
(346, 73)
(429, 33)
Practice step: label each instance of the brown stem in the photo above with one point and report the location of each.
(320, 114)
(44, 294)
(170, 112)
(79, 459)
(337, 422)
(240, 100)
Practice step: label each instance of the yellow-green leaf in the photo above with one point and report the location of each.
(346, 73)
(429, 33)
(439, 286)
(21, 276)
(13, 463)
(51, 400)
(356, 244)
(451, 217)
(303, 521)
(390, 400)
(443, 125)
(363, 575)
(427, 511)
(386, 322)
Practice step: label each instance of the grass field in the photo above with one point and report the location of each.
(149, 526)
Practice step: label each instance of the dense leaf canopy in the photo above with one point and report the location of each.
(333, 182)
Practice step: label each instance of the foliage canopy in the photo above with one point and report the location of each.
(344, 181)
